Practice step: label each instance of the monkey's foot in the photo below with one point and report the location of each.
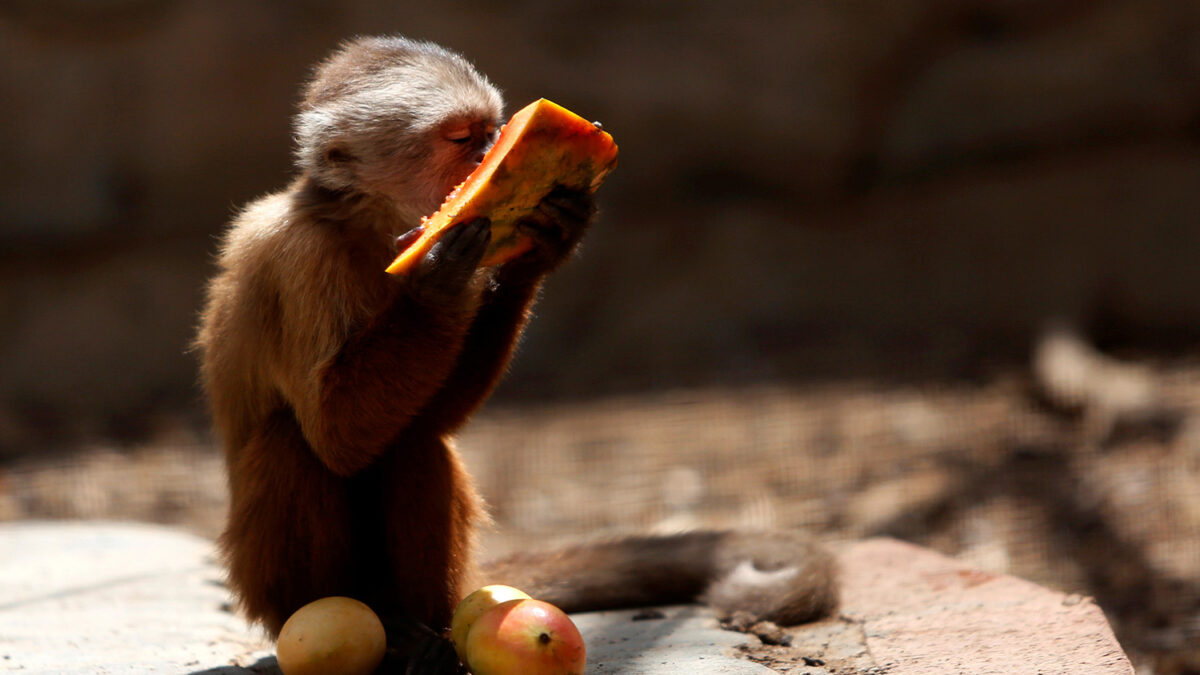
(434, 657)
(414, 649)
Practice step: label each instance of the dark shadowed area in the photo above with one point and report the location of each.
(907, 267)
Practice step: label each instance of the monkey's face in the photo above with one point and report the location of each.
(397, 120)
(457, 147)
(412, 166)
(418, 175)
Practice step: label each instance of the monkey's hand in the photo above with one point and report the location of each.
(555, 228)
(444, 273)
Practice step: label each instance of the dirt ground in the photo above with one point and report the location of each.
(1082, 496)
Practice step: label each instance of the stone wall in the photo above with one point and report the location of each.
(807, 189)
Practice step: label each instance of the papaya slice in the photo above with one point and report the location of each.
(541, 146)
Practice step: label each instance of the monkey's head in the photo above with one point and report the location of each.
(394, 118)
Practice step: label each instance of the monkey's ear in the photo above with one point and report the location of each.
(320, 153)
(333, 166)
(336, 156)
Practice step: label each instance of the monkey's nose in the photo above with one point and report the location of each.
(483, 151)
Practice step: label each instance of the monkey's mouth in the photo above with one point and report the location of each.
(458, 180)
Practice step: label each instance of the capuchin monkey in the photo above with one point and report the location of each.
(336, 388)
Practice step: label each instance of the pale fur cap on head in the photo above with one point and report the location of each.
(377, 97)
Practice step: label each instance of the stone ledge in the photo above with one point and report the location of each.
(132, 598)
(924, 613)
(84, 598)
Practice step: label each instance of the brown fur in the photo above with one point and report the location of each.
(797, 582)
(336, 387)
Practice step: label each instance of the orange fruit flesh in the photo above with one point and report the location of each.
(542, 146)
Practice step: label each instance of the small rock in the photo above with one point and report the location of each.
(648, 614)
(770, 633)
(739, 621)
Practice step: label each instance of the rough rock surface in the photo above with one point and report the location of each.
(128, 598)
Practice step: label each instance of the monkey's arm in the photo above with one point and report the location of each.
(364, 388)
(556, 229)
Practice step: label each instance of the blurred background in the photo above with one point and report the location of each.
(917, 268)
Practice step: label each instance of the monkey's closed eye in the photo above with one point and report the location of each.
(457, 134)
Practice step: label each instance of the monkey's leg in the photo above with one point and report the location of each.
(430, 510)
(427, 512)
(286, 541)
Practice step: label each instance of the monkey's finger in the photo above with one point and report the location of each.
(409, 238)
(481, 221)
(468, 240)
(456, 254)
(548, 230)
(567, 206)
